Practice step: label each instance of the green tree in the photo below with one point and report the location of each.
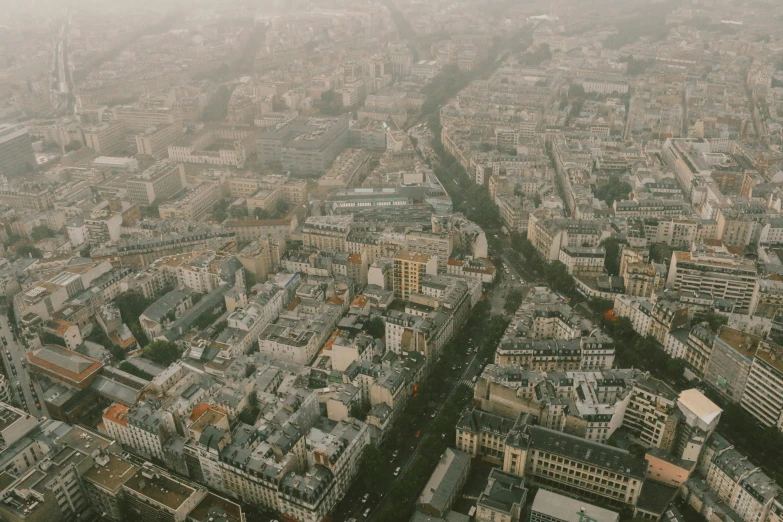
(133, 370)
(238, 212)
(29, 251)
(613, 190)
(162, 352)
(513, 300)
(371, 461)
(714, 320)
(375, 328)
(612, 261)
(261, 213)
(557, 276)
(41, 232)
(660, 253)
(281, 207)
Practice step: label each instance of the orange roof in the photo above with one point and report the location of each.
(117, 413)
(201, 409)
(293, 304)
(355, 259)
(360, 301)
(198, 411)
(55, 368)
(335, 300)
(328, 344)
(455, 262)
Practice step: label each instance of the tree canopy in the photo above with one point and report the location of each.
(162, 352)
(613, 190)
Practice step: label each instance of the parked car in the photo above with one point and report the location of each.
(397, 471)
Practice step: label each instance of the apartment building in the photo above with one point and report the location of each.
(583, 261)
(575, 466)
(716, 272)
(502, 499)
(740, 484)
(409, 271)
(432, 244)
(326, 232)
(155, 141)
(642, 279)
(156, 184)
(194, 204)
(144, 252)
(305, 145)
(143, 427)
(16, 150)
(217, 144)
(763, 393)
(730, 361)
(32, 198)
(138, 119)
(106, 138)
(549, 236)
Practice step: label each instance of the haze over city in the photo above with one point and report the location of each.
(391, 261)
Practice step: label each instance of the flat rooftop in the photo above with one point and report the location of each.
(113, 474)
(160, 489)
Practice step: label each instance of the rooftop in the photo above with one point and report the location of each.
(560, 507)
(160, 488)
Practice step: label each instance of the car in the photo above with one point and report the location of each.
(8, 353)
(38, 405)
(366, 513)
(418, 433)
(397, 471)
(433, 415)
(396, 452)
(473, 380)
(13, 370)
(365, 497)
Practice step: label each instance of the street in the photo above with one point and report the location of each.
(467, 365)
(30, 394)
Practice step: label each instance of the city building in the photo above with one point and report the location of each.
(549, 506)
(16, 150)
(193, 205)
(716, 272)
(155, 141)
(156, 184)
(409, 271)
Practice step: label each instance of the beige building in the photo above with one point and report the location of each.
(327, 232)
(106, 138)
(156, 140)
(194, 205)
(156, 184)
(409, 269)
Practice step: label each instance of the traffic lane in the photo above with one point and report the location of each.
(32, 394)
(423, 430)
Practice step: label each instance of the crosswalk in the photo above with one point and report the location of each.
(467, 382)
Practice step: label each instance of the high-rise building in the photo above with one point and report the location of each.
(194, 205)
(156, 184)
(16, 150)
(106, 138)
(155, 141)
(716, 272)
(409, 270)
(763, 395)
